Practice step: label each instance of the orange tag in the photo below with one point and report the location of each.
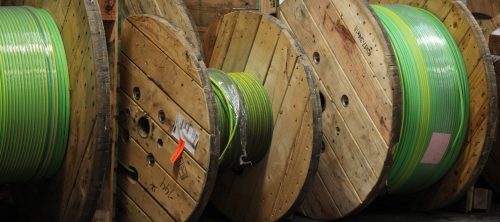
(178, 151)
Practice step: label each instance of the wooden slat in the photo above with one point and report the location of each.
(153, 100)
(174, 11)
(127, 209)
(240, 45)
(187, 173)
(134, 190)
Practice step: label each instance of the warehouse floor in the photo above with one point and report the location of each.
(377, 213)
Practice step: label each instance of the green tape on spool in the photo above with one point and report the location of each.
(245, 118)
(435, 97)
(34, 102)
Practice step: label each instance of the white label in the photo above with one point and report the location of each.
(437, 148)
(183, 129)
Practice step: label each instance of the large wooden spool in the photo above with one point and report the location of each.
(73, 193)
(163, 78)
(273, 188)
(174, 11)
(359, 81)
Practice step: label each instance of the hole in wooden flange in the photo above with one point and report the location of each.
(131, 173)
(160, 143)
(144, 127)
(137, 93)
(322, 101)
(345, 100)
(128, 110)
(125, 135)
(161, 116)
(323, 146)
(150, 159)
(316, 57)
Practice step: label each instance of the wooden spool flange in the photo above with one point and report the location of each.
(174, 11)
(492, 167)
(205, 13)
(72, 194)
(359, 80)
(273, 188)
(163, 77)
(487, 14)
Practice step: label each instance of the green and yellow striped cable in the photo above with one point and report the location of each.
(244, 115)
(34, 101)
(435, 97)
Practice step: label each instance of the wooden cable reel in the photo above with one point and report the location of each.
(72, 194)
(359, 82)
(273, 188)
(163, 79)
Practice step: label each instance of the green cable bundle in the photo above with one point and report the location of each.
(435, 97)
(244, 115)
(34, 102)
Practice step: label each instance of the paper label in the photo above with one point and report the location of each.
(183, 129)
(437, 148)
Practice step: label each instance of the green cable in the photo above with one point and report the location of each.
(435, 97)
(245, 118)
(34, 102)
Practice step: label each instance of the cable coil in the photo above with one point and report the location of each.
(34, 102)
(435, 97)
(245, 118)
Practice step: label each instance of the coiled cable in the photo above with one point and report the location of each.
(34, 101)
(245, 118)
(435, 97)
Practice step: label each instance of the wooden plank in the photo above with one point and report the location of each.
(109, 9)
(316, 195)
(134, 190)
(157, 182)
(224, 34)
(263, 49)
(172, 47)
(354, 68)
(132, 77)
(127, 210)
(186, 173)
(156, 68)
(284, 60)
(240, 45)
(174, 11)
